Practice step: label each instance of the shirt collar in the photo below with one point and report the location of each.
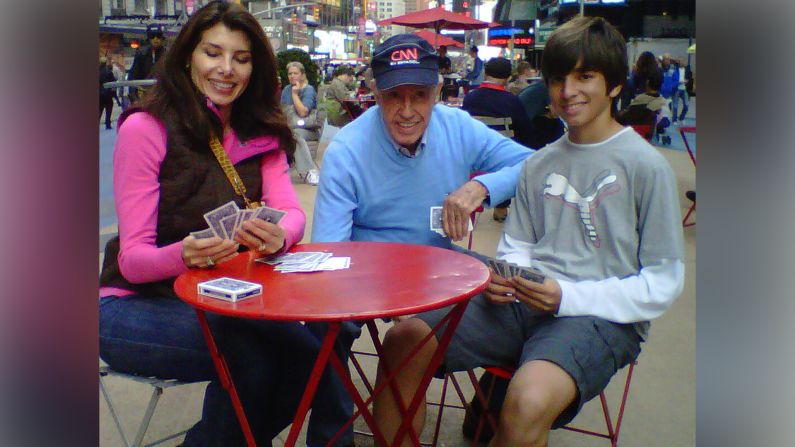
(403, 151)
(492, 86)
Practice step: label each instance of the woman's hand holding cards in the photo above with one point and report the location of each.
(264, 237)
(207, 252)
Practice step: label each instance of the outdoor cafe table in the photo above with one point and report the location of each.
(357, 106)
(384, 280)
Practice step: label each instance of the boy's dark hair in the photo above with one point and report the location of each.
(595, 43)
(654, 81)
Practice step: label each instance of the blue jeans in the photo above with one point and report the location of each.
(269, 362)
(675, 104)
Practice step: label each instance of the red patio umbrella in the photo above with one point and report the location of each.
(438, 40)
(438, 19)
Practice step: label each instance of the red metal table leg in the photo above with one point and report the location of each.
(452, 320)
(455, 317)
(363, 408)
(226, 378)
(682, 132)
(314, 379)
(685, 223)
(357, 399)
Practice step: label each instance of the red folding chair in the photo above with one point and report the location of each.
(644, 130)
(612, 433)
(682, 132)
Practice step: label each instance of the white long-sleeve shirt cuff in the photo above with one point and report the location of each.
(640, 297)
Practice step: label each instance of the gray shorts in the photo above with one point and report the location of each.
(590, 349)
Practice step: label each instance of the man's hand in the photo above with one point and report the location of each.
(459, 205)
(544, 297)
(499, 290)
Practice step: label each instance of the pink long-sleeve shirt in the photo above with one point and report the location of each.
(139, 151)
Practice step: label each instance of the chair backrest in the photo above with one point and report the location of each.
(503, 125)
(644, 130)
(640, 118)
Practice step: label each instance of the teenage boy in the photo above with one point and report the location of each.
(597, 213)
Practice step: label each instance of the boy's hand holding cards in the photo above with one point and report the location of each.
(225, 220)
(509, 270)
(436, 221)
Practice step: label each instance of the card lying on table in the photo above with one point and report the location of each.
(229, 289)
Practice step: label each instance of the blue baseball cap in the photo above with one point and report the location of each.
(154, 30)
(405, 59)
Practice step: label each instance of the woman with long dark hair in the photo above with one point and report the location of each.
(645, 65)
(217, 86)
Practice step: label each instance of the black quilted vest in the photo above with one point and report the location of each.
(191, 184)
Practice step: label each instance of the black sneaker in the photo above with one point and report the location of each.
(472, 416)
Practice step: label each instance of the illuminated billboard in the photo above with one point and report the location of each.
(501, 36)
(594, 2)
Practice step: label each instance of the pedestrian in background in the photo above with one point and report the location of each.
(106, 95)
(474, 70)
(339, 91)
(670, 70)
(644, 66)
(119, 73)
(492, 99)
(681, 92)
(299, 104)
(146, 57)
(524, 71)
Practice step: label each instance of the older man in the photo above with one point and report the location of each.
(384, 171)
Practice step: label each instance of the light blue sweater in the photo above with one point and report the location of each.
(370, 192)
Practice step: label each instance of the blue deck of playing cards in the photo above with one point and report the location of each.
(229, 289)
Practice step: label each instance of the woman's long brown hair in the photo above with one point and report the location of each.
(177, 102)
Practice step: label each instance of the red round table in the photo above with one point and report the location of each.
(357, 106)
(384, 280)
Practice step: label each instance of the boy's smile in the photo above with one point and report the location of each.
(581, 100)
